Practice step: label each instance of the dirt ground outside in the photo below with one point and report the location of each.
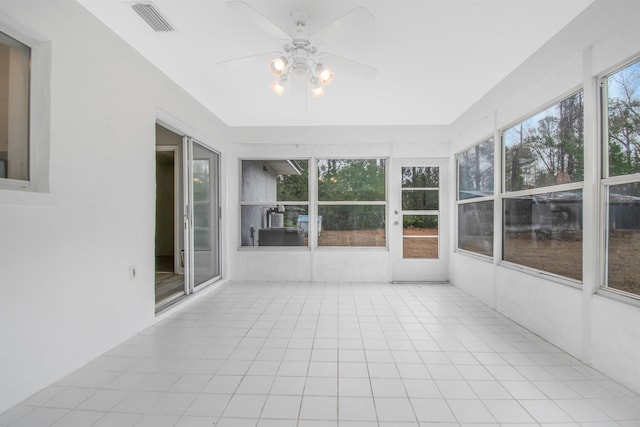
(562, 257)
(624, 261)
(420, 243)
(413, 247)
(374, 238)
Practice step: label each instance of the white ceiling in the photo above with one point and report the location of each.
(435, 57)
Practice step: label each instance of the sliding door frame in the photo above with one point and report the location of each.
(184, 213)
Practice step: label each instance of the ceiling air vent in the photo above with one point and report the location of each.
(150, 14)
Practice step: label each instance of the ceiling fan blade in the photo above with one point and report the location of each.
(354, 23)
(348, 65)
(247, 58)
(246, 10)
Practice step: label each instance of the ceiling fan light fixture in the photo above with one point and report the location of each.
(317, 92)
(278, 86)
(278, 65)
(326, 76)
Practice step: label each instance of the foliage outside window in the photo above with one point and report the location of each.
(621, 182)
(14, 109)
(543, 229)
(475, 198)
(351, 202)
(274, 203)
(546, 149)
(202, 176)
(475, 171)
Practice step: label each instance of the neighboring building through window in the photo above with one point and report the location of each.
(621, 178)
(542, 199)
(275, 202)
(476, 198)
(352, 202)
(14, 109)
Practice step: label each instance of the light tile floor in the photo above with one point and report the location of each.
(326, 354)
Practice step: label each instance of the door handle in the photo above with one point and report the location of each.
(396, 223)
(396, 212)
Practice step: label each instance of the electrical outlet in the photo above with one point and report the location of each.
(132, 272)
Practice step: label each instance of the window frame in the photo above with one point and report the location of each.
(471, 200)
(11, 190)
(318, 203)
(285, 203)
(606, 181)
(557, 188)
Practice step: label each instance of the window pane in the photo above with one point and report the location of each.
(14, 109)
(202, 213)
(415, 200)
(475, 171)
(420, 236)
(351, 180)
(420, 177)
(623, 242)
(475, 227)
(544, 231)
(273, 226)
(546, 149)
(275, 180)
(201, 180)
(623, 105)
(349, 225)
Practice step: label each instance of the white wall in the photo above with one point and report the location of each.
(56, 313)
(65, 293)
(594, 328)
(321, 264)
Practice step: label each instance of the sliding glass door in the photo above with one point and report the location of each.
(205, 230)
(187, 217)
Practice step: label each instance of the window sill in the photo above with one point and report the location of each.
(475, 255)
(351, 248)
(619, 296)
(273, 248)
(25, 197)
(550, 277)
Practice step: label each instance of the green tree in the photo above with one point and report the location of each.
(352, 180)
(475, 170)
(547, 149)
(294, 187)
(624, 121)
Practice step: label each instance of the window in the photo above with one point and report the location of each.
(14, 109)
(475, 198)
(542, 203)
(621, 178)
(544, 231)
(352, 202)
(274, 206)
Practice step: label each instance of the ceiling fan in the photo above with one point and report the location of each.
(300, 60)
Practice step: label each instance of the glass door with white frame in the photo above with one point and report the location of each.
(205, 228)
(419, 220)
